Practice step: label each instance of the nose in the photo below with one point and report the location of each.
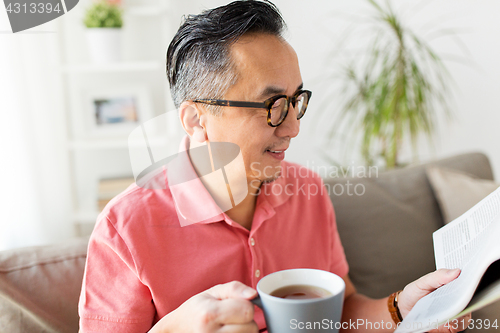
(291, 125)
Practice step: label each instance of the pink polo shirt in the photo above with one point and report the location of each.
(143, 261)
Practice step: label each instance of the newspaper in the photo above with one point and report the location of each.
(471, 243)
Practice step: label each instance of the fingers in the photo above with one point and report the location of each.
(240, 328)
(233, 289)
(434, 280)
(423, 286)
(232, 306)
(222, 308)
(234, 311)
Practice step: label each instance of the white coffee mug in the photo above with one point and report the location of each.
(301, 315)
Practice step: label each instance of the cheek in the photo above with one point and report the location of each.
(252, 135)
(217, 133)
(255, 143)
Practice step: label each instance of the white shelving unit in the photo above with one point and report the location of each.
(146, 34)
(150, 11)
(132, 66)
(110, 144)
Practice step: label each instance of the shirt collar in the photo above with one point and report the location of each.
(193, 202)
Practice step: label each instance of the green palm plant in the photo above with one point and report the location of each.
(394, 96)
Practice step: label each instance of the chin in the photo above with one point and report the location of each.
(265, 173)
(272, 178)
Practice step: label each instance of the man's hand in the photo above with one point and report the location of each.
(223, 308)
(425, 285)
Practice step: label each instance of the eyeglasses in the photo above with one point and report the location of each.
(277, 106)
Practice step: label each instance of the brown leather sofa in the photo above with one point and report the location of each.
(386, 234)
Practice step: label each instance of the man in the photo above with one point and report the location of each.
(171, 259)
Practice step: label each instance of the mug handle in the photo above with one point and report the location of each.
(257, 301)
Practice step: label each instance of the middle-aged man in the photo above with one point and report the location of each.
(170, 259)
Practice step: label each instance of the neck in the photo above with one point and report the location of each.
(242, 213)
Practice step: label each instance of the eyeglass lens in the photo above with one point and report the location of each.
(280, 107)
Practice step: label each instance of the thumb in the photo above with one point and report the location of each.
(430, 282)
(234, 289)
(424, 286)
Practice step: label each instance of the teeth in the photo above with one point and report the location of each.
(276, 151)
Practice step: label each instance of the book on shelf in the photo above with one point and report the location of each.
(471, 243)
(110, 187)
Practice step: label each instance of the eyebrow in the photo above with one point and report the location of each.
(273, 90)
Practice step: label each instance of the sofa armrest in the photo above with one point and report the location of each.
(40, 287)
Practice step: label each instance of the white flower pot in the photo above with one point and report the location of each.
(104, 44)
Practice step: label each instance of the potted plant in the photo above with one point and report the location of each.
(103, 20)
(394, 95)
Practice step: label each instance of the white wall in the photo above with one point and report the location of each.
(35, 204)
(317, 29)
(321, 33)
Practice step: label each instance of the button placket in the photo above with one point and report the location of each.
(256, 271)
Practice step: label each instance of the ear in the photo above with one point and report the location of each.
(193, 120)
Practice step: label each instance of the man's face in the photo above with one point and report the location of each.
(266, 66)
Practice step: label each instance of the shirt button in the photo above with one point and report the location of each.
(252, 241)
(257, 273)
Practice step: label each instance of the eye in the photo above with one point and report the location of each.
(278, 104)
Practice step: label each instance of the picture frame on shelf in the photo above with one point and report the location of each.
(113, 112)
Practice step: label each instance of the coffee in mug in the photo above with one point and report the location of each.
(300, 291)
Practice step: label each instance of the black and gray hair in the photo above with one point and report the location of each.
(199, 64)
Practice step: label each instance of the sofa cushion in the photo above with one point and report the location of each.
(457, 192)
(387, 231)
(40, 287)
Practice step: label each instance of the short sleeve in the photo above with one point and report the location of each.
(338, 260)
(113, 298)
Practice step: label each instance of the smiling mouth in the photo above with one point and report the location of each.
(277, 154)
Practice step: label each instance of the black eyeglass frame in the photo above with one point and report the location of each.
(267, 104)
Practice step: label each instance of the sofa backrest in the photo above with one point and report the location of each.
(387, 231)
(40, 287)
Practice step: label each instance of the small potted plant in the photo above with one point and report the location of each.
(103, 20)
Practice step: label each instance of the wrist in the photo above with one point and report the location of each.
(393, 306)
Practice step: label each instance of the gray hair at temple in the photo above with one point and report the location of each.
(198, 62)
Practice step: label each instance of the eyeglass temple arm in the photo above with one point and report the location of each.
(231, 103)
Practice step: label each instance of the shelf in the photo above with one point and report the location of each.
(101, 144)
(97, 144)
(145, 10)
(134, 66)
(85, 217)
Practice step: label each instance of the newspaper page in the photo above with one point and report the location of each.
(470, 243)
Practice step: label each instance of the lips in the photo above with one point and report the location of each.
(277, 153)
(276, 149)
